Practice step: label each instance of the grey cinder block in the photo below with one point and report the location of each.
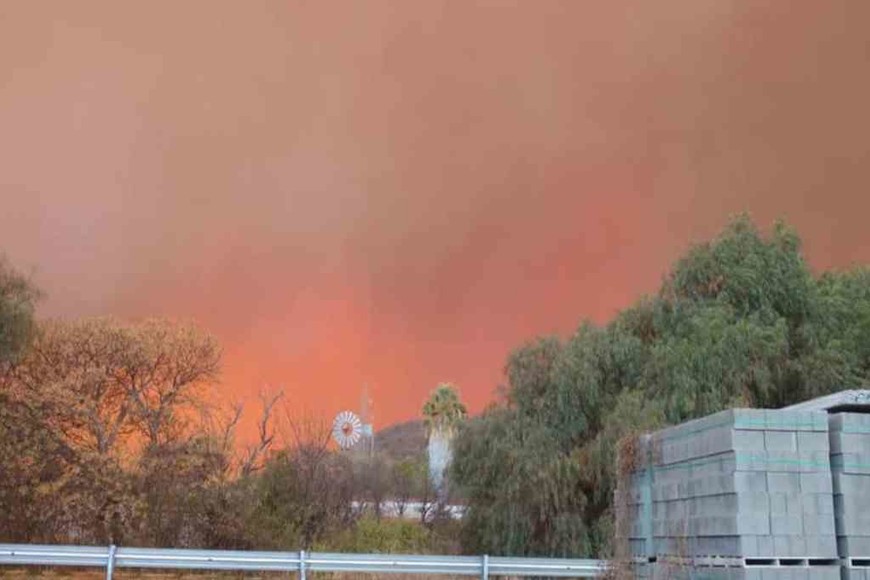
(783, 482)
(780, 441)
(821, 546)
(765, 545)
(854, 546)
(789, 524)
(820, 482)
(850, 463)
(843, 442)
(813, 441)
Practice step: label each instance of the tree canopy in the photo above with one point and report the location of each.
(18, 298)
(443, 409)
(740, 320)
(75, 403)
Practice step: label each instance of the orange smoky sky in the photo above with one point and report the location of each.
(399, 192)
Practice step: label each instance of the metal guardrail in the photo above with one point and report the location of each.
(112, 557)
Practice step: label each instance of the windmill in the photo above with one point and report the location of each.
(350, 429)
(346, 429)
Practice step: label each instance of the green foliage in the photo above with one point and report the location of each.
(372, 536)
(18, 297)
(301, 495)
(443, 409)
(739, 321)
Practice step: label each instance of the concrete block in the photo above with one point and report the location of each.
(820, 422)
(850, 463)
(817, 503)
(789, 524)
(779, 462)
(780, 441)
(852, 484)
(749, 419)
(713, 505)
(723, 546)
(821, 545)
(732, 525)
(713, 465)
(857, 573)
(822, 524)
(853, 521)
(844, 442)
(854, 546)
(848, 528)
(816, 482)
(754, 501)
(665, 491)
(770, 461)
(693, 428)
(849, 422)
(797, 546)
(795, 503)
(849, 506)
(701, 486)
(747, 440)
(782, 547)
(750, 482)
(813, 441)
(783, 482)
(765, 546)
(779, 503)
(815, 462)
(781, 420)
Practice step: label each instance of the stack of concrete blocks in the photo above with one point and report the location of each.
(633, 505)
(744, 493)
(850, 467)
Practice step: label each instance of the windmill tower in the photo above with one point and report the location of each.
(352, 431)
(367, 418)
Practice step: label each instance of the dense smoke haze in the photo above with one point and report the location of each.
(398, 193)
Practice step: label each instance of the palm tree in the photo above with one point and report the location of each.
(442, 413)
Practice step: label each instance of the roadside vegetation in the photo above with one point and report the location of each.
(109, 432)
(740, 320)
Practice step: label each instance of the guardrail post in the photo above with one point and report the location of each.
(110, 562)
(301, 564)
(484, 572)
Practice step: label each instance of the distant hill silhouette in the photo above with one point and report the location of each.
(402, 441)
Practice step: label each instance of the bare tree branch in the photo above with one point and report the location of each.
(254, 454)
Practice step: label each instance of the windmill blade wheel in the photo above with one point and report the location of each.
(346, 429)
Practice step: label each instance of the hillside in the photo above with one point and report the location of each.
(402, 441)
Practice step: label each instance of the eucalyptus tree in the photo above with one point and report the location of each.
(739, 320)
